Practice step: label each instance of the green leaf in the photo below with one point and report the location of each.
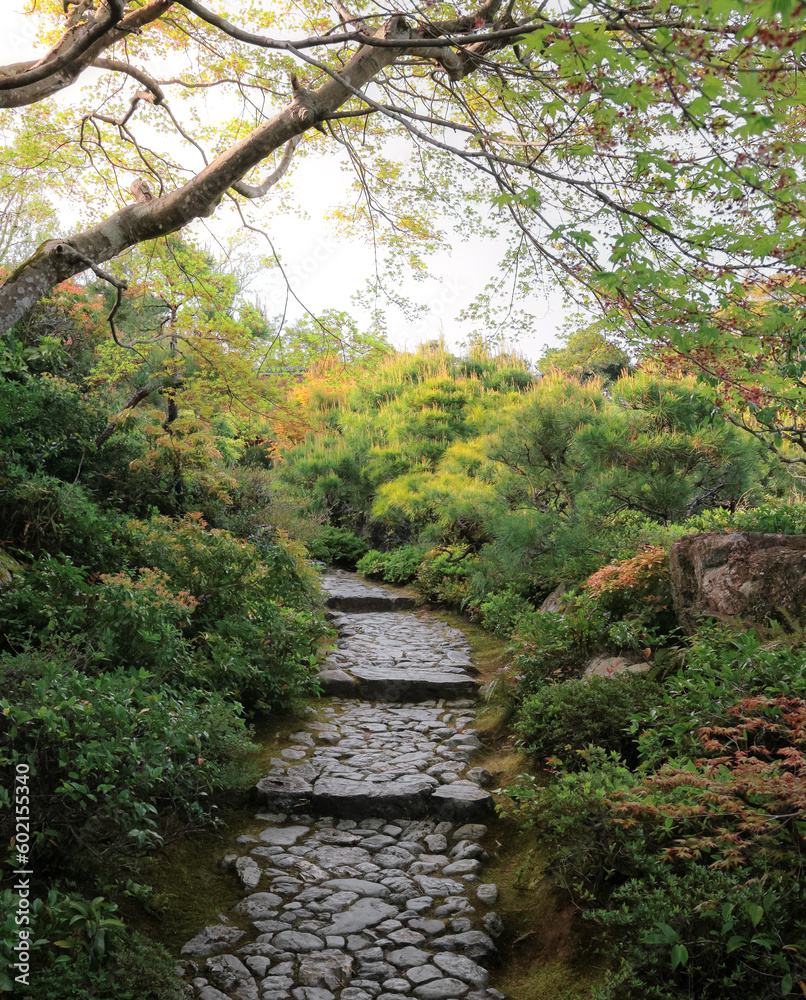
(679, 956)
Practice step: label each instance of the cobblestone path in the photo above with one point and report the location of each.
(367, 881)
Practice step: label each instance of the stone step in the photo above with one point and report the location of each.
(368, 602)
(349, 594)
(404, 684)
(410, 796)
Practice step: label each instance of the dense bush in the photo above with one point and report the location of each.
(555, 646)
(107, 752)
(44, 516)
(560, 720)
(337, 547)
(398, 566)
(690, 860)
(444, 575)
(81, 950)
(503, 612)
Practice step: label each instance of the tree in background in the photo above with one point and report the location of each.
(650, 154)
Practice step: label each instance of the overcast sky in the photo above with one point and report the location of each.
(327, 272)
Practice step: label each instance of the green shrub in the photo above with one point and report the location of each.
(776, 515)
(47, 425)
(556, 646)
(639, 857)
(142, 622)
(444, 574)
(721, 667)
(42, 515)
(81, 951)
(501, 613)
(45, 602)
(265, 663)
(559, 720)
(398, 566)
(106, 753)
(227, 576)
(337, 547)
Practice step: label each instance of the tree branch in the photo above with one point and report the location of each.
(40, 79)
(253, 191)
(137, 397)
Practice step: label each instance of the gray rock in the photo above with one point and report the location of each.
(336, 684)
(259, 905)
(329, 970)
(283, 836)
(438, 886)
(365, 912)
(474, 944)
(423, 974)
(460, 803)
(211, 993)
(297, 941)
(467, 867)
(431, 928)
(405, 796)
(397, 985)
(463, 968)
(481, 776)
(283, 792)
(211, 940)
(413, 683)
(230, 975)
(441, 989)
(487, 893)
(378, 971)
(493, 924)
(470, 831)
(258, 965)
(405, 958)
(311, 993)
(248, 872)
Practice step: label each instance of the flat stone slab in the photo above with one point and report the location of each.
(461, 803)
(338, 684)
(350, 594)
(283, 792)
(344, 798)
(365, 912)
(412, 684)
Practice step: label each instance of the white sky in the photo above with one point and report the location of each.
(326, 272)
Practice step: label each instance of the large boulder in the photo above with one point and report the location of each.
(749, 575)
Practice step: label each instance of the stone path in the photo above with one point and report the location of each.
(366, 883)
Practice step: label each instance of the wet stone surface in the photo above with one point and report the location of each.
(366, 881)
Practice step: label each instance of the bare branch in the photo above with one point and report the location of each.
(116, 65)
(137, 397)
(258, 190)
